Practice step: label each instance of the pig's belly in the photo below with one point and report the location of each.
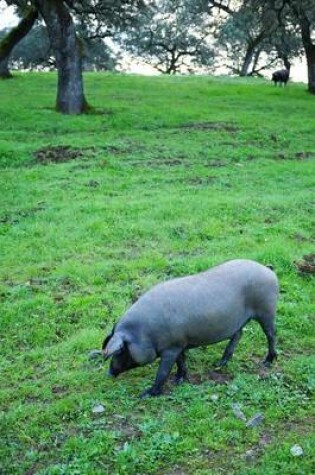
(204, 329)
(213, 335)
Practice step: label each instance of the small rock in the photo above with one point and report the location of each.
(255, 420)
(236, 408)
(296, 450)
(250, 454)
(98, 409)
(264, 440)
(94, 354)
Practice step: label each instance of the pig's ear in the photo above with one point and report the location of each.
(114, 345)
(106, 340)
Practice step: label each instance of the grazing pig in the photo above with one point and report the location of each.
(281, 77)
(194, 311)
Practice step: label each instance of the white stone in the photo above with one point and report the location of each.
(296, 450)
(98, 409)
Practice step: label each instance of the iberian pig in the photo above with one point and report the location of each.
(194, 311)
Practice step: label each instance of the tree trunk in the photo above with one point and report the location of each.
(286, 62)
(310, 57)
(309, 48)
(247, 60)
(255, 62)
(67, 50)
(12, 39)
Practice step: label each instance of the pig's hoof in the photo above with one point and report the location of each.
(266, 364)
(220, 364)
(151, 392)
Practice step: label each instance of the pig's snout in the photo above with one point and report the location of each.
(111, 373)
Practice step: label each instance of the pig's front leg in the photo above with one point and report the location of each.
(167, 361)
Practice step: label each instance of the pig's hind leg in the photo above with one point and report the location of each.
(181, 373)
(229, 350)
(268, 326)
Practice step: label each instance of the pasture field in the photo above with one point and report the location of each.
(165, 177)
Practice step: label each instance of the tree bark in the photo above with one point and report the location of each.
(12, 39)
(247, 60)
(309, 48)
(67, 50)
(310, 57)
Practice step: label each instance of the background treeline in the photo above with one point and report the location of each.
(245, 37)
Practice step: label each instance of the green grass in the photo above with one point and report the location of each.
(172, 175)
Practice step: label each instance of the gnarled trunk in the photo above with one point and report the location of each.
(67, 50)
(247, 60)
(309, 48)
(310, 57)
(12, 39)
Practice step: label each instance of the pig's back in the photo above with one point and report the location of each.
(206, 307)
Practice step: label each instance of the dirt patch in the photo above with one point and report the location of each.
(81, 166)
(225, 126)
(304, 155)
(195, 379)
(93, 184)
(258, 449)
(115, 150)
(170, 162)
(262, 371)
(62, 288)
(174, 471)
(220, 378)
(208, 180)
(216, 163)
(126, 430)
(58, 391)
(58, 154)
(127, 146)
(35, 468)
(297, 156)
(300, 238)
(306, 265)
(16, 217)
(159, 162)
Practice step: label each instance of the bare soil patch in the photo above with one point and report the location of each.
(307, 264)
(160, 162)
(208, 180)
(216, 163)
(220, 378)
(58, 390)
(304, 155)
(195, 379)
(169, 162)
(93, 184)
(16, 216)
(225, 126)
(125, 147)
(116, 150)
(299, 237)
(127, 431)
(58, 154)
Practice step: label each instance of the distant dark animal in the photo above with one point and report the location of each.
(194, 311)
(281, 77)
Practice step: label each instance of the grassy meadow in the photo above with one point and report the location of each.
(166, 177)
